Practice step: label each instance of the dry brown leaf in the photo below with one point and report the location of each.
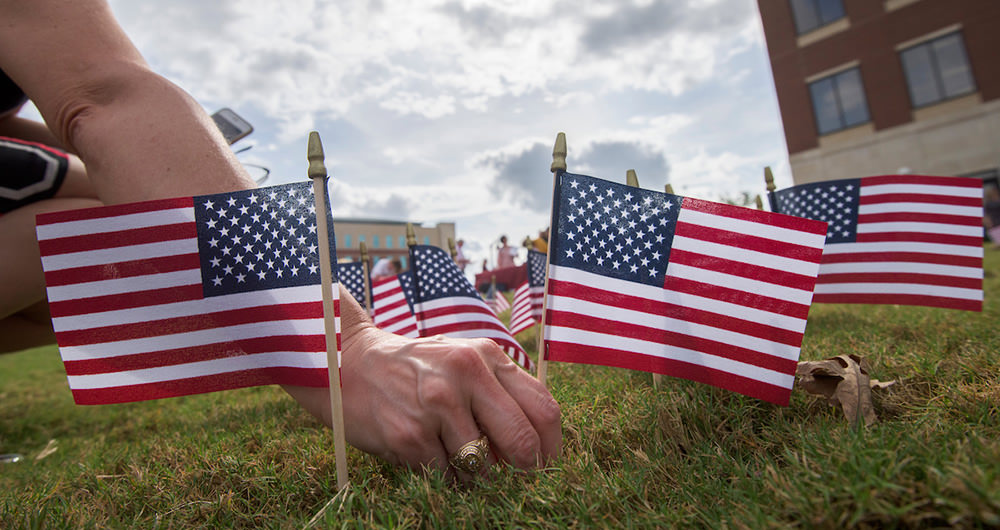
(843, 380)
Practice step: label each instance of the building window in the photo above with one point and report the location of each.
(347, 240)
(811, 14)
(402, 261)
(361, 239)
(388, 241)
(937, 70)
(427, 240)
(839, 101)
(402, 241)
(374, 241)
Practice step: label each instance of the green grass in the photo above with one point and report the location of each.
(684, 455)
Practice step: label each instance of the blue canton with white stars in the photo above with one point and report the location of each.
(834, 202)
(536, 268)
(406, 282)
(612, 229)
(437, 276)
(258, 239)
(352, 276)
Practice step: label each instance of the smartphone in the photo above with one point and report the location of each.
(233, 127)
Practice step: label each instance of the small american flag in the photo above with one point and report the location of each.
(183, 296)
(392, 307)
(897, 239)
(496, 300)
(352, 276)
(527, 308)
(445, 303)
(703, 291)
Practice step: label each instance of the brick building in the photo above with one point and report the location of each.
(386, 239)
(869, 87)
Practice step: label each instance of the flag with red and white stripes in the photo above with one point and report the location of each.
(526, 311)
(656, 282)
(896, 239)
(496, 300)
(190, 295)
(392, 307)
(446, 303)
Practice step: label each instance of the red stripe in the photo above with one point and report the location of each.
(101, 212)
(124, 269)
(205, 352)
(189, 323)
(281, 375)
(674, 311)
(757, 216)
(121, 238)
(382, 307)
(671, 338)
(908, 257)
(582, 353)
(406, 331)
(925, 198)
(899, 299)
(46, 148)
(920, 237)
(927, 180)
(920, 217)
(452, 309)
(742, 269)
(386, 322)
(734, 296)
(748, 242)
(111, 302)
(902, 277)
(452, 327)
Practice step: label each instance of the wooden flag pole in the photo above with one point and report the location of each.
(317, 172)
(451, 248)
(769, 181)
(366, 270)
(558, 166)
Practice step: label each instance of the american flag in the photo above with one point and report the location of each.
(496, 300)
(352, 276)
(651, 281)
(527, 308)
(445, 303)
(897, 239)
(183, 296)
(393, 309)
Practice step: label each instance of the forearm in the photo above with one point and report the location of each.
(30, 130)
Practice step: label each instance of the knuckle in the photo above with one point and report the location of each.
(438, 393)
(525, 445)
(406, 438)
(547, 412)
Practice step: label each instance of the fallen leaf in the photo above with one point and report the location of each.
(843, 380)
(50, 448)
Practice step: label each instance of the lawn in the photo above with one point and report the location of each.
(682, 455)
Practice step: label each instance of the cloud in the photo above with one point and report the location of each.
(610, 160)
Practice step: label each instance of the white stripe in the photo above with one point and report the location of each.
(163, 280)
(189, 339)
(119, 223)
(900, 288)
(743, 226)
(921, 228)
(212, 304)
(751, 314)
(922, 189)
(666, 323)
(387, 286)
(383, 316)
(388, 299)
(408, 325)
(119, 254)
(198, 369)
(921, 207)
(453, 318)
(601, 340)
(453, 301)
(750, 257)
(900, 267)
(972, 251)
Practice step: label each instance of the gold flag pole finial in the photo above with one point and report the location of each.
(364, 252)
(669, 189)
(631, 178)
(411, 238)
(559, 154)
(769, 178)
(317, 172)
(451, 248)
(759, 202)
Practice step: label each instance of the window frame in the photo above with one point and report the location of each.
(833, 78)
(816, 7)
(936, 69)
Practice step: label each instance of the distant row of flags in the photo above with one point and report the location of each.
(189, 295)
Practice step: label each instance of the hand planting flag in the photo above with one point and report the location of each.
(352, 277)
(393, 309)
(527, 308)
(184, 296)
(897, 239)
(651, 281)
(445, 303)
(496, 300)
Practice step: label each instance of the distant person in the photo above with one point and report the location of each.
(541, 243)
(460, 258)
(505, 254)
(385, 268)
(991, 215)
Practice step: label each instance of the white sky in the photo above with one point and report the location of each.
(444, 110)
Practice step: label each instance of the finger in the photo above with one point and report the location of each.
(536, 403)
(450, 402)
